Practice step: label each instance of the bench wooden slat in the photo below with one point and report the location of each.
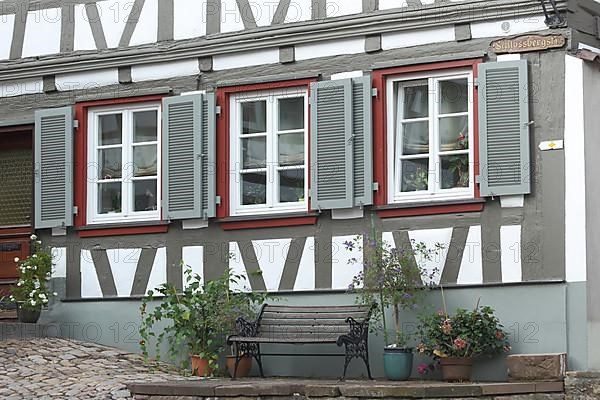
(286, 339)
(317, 309)
(309, 315)
(283, 329)
(304, 322)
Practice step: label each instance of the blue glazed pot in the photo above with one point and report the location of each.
(397, 363)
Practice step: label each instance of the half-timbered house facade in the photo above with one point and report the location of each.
(262, 135)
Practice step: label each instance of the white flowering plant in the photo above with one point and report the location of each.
(31, 290)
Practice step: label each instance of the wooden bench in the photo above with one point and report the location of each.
(342, 325)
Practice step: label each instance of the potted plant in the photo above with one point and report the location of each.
(393, 279)
(31, 292)
(455, 341)
(199, 316)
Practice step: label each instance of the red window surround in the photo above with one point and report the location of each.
(223, 169)
(80, 172)
(380, 140)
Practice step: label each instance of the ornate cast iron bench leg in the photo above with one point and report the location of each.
(356, 343)
(246, 349)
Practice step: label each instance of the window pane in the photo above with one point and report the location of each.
(144, 126)
(454, 96)
(109, 129)
(254, 152)
(291, 149)
(291, 185)
(110, 163)
(416, 138)
(291, 114)
(144, 160)
(254, 117)
(254, 188)
(415, 175)
(144, 195)
(454, 133)
(109, 198)
(416, 102)
(455, 171)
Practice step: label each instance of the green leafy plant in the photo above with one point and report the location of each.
(199, 317)
(31, 290)
(465, 334)
(415, 181)
(392, 278)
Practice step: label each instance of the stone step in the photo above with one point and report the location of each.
(537, 367)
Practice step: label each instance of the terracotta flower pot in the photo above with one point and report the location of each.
(201, 367)
(456, 368)
(28, 316)
(244, 366)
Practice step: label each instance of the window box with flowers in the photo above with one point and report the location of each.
(31, 291)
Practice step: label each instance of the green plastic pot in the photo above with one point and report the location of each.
(397, 363)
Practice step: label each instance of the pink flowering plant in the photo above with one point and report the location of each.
(31, 290)
(393, 279)
(465, 334)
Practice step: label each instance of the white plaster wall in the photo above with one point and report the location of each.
(337, 8)
(42, 32)
(396, 40)
(193, 258)
(431, 237)
(123, 264)
(83, 38)
(231, 19)
(471, 266)
(189, 19)
(158, 275)
(330, 48)
(6, 32)
(305, 280)
(113, 15)
(271, 255)
(388, 4)
(90, 286)
(59, 262)
(299, 10)
(507, 27)
(146, 30)
(87, 80)
(263, 11)
(510, 246)
(575, 204)
(18, 88)
(343, 267)
(246, 59)
(151, 72)
(236, 265)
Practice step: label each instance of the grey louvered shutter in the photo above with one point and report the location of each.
(362, 141)
(209, 162)
(187, 144)
(504, 128)
(341, 143)
(54, 168)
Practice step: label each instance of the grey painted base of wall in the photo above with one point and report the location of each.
(540, 319)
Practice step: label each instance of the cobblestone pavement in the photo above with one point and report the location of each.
(44, 369)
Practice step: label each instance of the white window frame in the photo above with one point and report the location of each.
(272, 167)
(127, 214)
(434, 192)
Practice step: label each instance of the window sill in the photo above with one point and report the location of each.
(268, 221)
(431, 208)
(131, 228)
